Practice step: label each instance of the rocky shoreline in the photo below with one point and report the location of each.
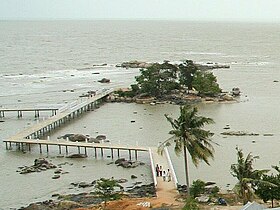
(88, 199)
(200, 66)
(176, 98)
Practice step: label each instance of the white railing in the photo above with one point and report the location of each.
(171, 167)
(153, 168)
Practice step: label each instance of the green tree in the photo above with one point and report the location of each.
(188, 135)
(191, 204)
(187, 71)
(197, 188)
(267, 192)
(206, 83)
(105, 188)
(158, 79)
(247, 176)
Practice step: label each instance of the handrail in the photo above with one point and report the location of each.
(171, 167)
(153, 167)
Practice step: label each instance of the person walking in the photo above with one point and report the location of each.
(164, 176)
(160, 171)
(157, 170)
(168, 175)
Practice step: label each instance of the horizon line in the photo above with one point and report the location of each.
(144, 19)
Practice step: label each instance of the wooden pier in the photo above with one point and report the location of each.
(62, 116)
(25, 144)
(21, 110)
(31, 136)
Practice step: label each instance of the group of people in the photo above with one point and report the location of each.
(166, 175)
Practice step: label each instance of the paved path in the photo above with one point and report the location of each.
(165, 190)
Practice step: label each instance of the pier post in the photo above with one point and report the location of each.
(95, 152)
(129, 151)
(118, 153)
(79, 151)
(47, 148)
(29, 147)
(6, 145)
(136, 154)
(86, 151)
(40, 148)
(112, 153)
(66, 149)
(59, 147)
(101, 152)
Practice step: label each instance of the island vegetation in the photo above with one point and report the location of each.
(179, 83)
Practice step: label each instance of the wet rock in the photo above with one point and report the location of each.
(101, 137)
(143, 191)
(84, 185)
(58, 171)
(239, 133)
(133, 176)
(56, 176)
(104, 80)
(128, 163)
(93, 140)
(40, 164)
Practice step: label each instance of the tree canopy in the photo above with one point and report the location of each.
(248, 177)
(188, 135)
(160, 79)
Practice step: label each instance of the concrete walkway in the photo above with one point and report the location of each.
(166, 191)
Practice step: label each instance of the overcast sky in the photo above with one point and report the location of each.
(217, 10)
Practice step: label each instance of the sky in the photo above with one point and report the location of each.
(193, 10)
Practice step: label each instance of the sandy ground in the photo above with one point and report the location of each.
(138, 204)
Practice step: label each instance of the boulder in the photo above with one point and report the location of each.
(133, 176)
(56, 176)
(78, 137)
(100, 137)
(203, 199)
(104, 80)
(93, 140)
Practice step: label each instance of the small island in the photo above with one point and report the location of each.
(183, 83)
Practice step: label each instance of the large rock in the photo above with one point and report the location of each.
(78, 137)
(40, 164)
(203, 199)
(104, 80)
(127, 163)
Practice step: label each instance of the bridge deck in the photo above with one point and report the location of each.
(62, 114)
(166, 190)
(76, 144)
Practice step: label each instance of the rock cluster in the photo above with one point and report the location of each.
(239, 133)
(135, 64)
(143, 191)
(82, 138)
(128, 163)
(39, 165)
(210, 65)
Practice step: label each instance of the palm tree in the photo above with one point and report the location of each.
(247, 177)
(188, 135)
